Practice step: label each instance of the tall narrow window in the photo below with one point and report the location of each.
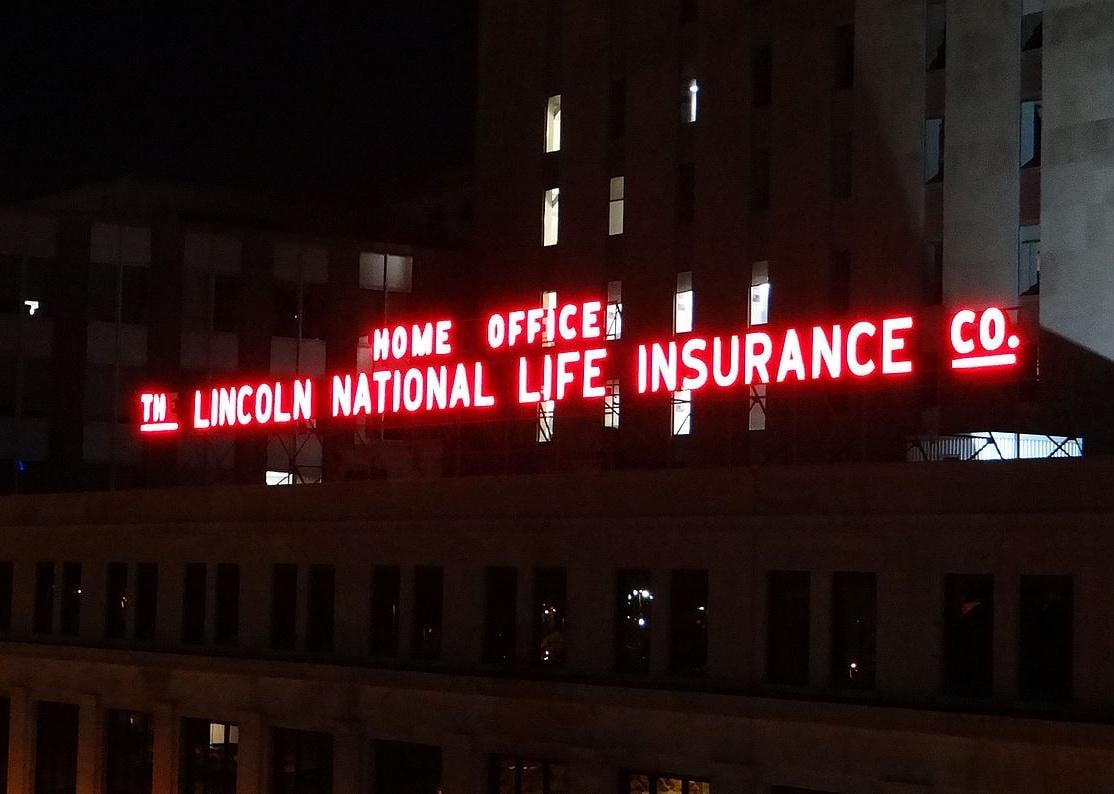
(1032, 24)
(936, 35)
(617, 109)
(843, 66)
(301, 761)
(428, 591)
(1030, 134)
(932, 277)
(385, 587)
(758, 312)
(500, 598)
(1044, 668)
(226, 630)
(116, 601)
(209, 754)
(787, 627)
(549, 303)
(853, 630)
(70, 619)
(682, 413)
(760, 187)
(55, 747)
(146, 600)
(193, 603)
(633, 614)
(129, 739)
(688, 622)
(321, 608)
(762, 75)
(615, 206)
(611, 404)
(404, 767)
(686, 193)
(553, 124)
(6, 569)
(967, 668)
(614, 320)
(683, 304)
(841, 165)
(690, 100)
(1029, 260)
(284, 606)
(840, 280)
(550, 214)
(550, 606)
(933, 150)
(44, 598)
(756, 407)
(546, 411)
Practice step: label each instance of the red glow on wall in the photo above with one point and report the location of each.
(159, 412)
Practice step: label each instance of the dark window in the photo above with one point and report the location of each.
(968, 635)
(1045, 638)
(500, 597)
(134, 295)
(70, 620)
(550, 608)
(386, 581)
(284, 606)
(661, 783)
(1031, 134)
(633, 613)
(321, 608)
(101, 292)
(56, 748)
(688, 622)
(1032, 31)
(5, 600)
(787, 627)
(128, 752)
(285, 309)
(428, 587)
(226, 630)
(194, 603)
(686, 193)
(210, 752)
(933, 150)
(762, 75)
(301, 762)
(226, 303)
(853, 630)
(689, 11)
(510, 775)
(841, 165)
(760, 181)
(617, 109)
(44, 597)
(403, 768)
(116, 601)
(936, 36)
(146, 600)
(932, 278)
(843, 67)
(841, 280)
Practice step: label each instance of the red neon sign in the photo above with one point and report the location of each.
(982, 340)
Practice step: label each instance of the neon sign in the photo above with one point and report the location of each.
(527, 356)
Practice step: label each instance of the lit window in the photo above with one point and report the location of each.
(549, 303)
(756, 413)
(683, 304)
(553, 124)
(545, 421)
(394, 270)
(614, 329)
(682, 413)
(615, 207)
(758, 310)
(279, 478)
(1029, 260)
(689, 101)
(549, 216)
(1030, 134)
(611, 405)
(933, 150)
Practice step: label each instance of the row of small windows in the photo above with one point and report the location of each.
(1045, 632)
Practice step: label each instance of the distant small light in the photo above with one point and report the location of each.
(694, 87)
(642, 623)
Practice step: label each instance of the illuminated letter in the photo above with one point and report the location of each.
(436, 388)
(381, 344)
(642, 369)
(281, 416)
(564, 325)
(564, 377)
(514, 326)
(442, 345)
(858, 367)
(146, 399)
(992, 329)
(663, 368)
(592, 373)
(242, 415)
(412, 390)
(496, 331)
(725, 379)
(396, 391)
(825, 353)
(200, 422)
(524, 394)
(891, 344)
(547, 377)
(342, 395)
(695, 363)
(303, 399)
(421, 340)
(362, 403)
(381, 377)
(590, 316)
(264, 404)
(534, 324)
(755, 361)
(960, 344)
(398, 342)
(227, 417)
(459, 393)
(791, 357)
(481, 400)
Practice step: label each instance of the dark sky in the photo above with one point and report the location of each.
(288, 100)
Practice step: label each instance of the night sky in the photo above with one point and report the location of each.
(287, 101)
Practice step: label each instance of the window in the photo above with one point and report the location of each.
(396, 271)
(511, 775)
(968, 635)
(787, 627)
(549, 301)
(853, 630)
(56, 748)
(617, 109)
(1032, 25)
(756, 407)
(760, 181)
(194, 603)
(128, 752)
(1044, 665)
(762, 75)
(301, 761)
(933, 150)
(614, 321)
(428, 587)
(553, 124)
(385, 587)
(688, 622)
(682, 413)
(615, 206)
(841, 165)
(6, 569)
(841, 280)
(500, 594)
(843, 67)
(758, 312)
(689, 100)
(112, 244)
(683, 304)
(226, 614)
(70, 619)
(44, 598)
(1029, 260)
(116, 601)
(303, 263)
(936, 36)
(658, 783)
(550, 216)
(284, 606)
(320, 608)
(546, 410)
(633, 613)
(611, 404)
(1031, 134)
(932, 278)
(209, 757)
(686, 193)
(146, 600)
(549, 616)
(403, 768)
